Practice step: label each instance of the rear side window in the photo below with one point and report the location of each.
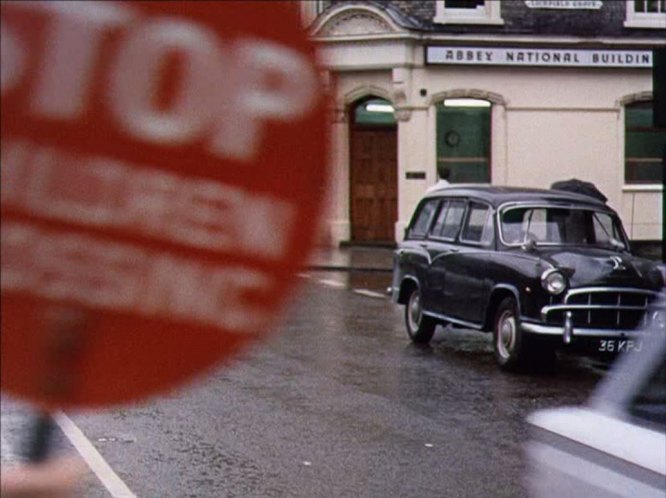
(449, 220)
(421, 223)
(478, 227)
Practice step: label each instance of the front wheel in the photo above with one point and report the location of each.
(420, 328)
(509, 342)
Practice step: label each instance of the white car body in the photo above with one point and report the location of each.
(604, 449)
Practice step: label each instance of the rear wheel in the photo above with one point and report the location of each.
(420, 328)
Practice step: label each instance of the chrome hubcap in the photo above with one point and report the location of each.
(506, 338)
(414, 311)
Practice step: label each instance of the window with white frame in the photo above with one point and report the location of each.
(644, 145)
(468, 12)
(646, 14)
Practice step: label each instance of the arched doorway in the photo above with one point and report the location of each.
(373, 151)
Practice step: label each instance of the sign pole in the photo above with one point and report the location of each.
(62, 350)
(38, 445)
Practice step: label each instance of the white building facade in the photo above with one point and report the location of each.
(521, 93)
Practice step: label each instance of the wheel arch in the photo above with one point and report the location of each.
(406, 286)
(497, 295)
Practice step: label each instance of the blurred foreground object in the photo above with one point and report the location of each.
(162, 174)
(615, 446)
(57, 478)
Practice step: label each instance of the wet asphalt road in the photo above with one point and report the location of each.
(337, 403)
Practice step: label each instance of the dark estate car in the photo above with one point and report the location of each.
(541, 269)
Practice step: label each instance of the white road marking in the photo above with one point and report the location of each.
(6, 450)
(369, 293)
(332, 283)
(7, 453)
(341, 285)
(92, 457)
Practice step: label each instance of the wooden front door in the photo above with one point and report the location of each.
(374, 191)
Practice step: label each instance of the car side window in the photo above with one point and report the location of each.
(449, 220)
(477, 228)
(421, 223)
(441, 217)
(488, 237)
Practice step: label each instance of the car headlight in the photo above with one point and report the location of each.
(659, 320)
(553, 281)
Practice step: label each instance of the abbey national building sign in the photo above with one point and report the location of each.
(538, 57)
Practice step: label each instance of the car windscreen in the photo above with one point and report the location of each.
(555, 225)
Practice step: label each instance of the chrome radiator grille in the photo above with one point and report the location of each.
(602, 307)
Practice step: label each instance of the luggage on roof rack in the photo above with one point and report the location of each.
(579, 187)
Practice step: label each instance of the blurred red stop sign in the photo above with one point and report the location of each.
(163, 166)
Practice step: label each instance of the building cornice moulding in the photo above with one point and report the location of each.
(370, 55)
(489, 40)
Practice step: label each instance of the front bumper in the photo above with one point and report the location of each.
(536, 328)
(589, 341)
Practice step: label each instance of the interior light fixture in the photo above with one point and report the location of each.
(466, 103)
(379, 108)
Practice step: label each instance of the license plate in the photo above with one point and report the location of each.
(620, 345)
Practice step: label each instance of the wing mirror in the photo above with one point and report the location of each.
(617, 245)
(529, 244)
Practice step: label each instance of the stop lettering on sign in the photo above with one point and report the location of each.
(227, 91)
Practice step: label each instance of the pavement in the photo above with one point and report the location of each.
(380, 258)
(352, 258)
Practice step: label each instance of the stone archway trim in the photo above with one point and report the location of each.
(492, 97)
(342, 104)
(633, 98)
(365, 91)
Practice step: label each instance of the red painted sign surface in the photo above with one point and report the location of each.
(163, 166)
